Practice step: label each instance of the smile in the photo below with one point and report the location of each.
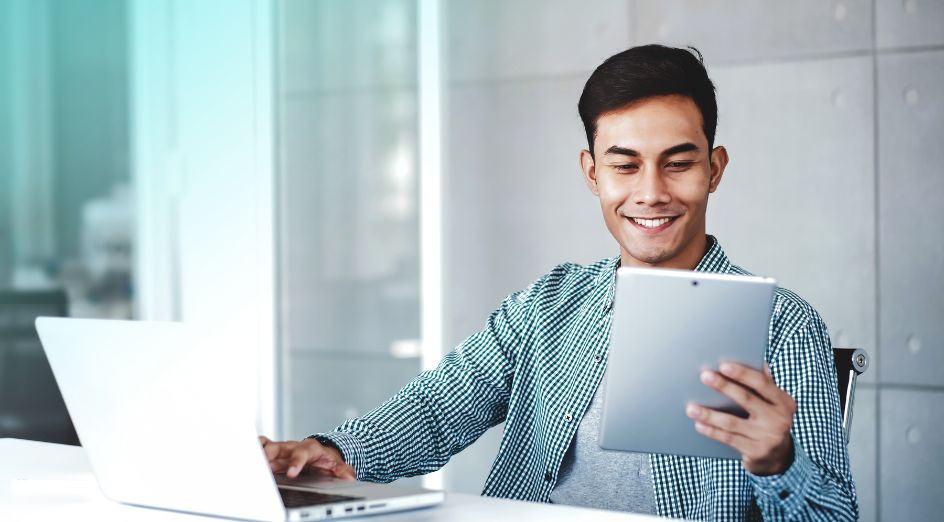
(654, 224)
(651, 223)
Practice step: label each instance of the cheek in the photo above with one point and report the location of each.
(691, 192)
(612, 193)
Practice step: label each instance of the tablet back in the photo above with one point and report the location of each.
(668, 325)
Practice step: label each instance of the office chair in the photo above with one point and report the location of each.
(850, 363)
(31, 406)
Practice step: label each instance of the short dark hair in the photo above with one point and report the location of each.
(643, 72)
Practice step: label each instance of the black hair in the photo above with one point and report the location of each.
(644, 72)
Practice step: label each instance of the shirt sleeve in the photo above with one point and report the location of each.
(444, 410)
(818, 484)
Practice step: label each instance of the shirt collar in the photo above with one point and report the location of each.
(714, 260)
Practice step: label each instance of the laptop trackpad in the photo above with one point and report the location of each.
(313, 481)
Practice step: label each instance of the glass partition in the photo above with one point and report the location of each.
(348, 232)
(66, 218)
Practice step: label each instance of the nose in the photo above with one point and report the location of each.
(652, 189)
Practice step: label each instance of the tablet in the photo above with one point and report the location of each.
(669, 325)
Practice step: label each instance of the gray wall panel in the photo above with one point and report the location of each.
(911, 238)
(501, 39)
(900, 23)
(797, 200)
(863, 451)
(515, 203)
(738, 30)
(911, 453)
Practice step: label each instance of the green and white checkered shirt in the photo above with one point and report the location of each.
(536, 365)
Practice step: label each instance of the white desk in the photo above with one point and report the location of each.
(40, 481)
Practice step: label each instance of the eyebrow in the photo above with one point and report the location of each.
(675, 149)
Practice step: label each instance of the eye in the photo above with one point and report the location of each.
(678, 165)
(626, 168)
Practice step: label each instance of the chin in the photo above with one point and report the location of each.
(650, 250)
(650, 257)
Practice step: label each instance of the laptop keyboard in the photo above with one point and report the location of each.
(293, 498)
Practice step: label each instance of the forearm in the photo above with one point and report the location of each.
(417, 430)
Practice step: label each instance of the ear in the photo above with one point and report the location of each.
(589, 171)
(719, 160)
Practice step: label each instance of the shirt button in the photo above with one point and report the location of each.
(784, 494)
(597, 358)
(568, 417)
(548, 476)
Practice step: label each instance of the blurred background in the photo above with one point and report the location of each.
(355, 185)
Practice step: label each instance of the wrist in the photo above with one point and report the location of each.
(327, 444)
(778, 462)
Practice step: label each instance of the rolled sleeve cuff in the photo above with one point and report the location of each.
(788, 489)
(352, 451)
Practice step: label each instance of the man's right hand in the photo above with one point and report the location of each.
(293, 457)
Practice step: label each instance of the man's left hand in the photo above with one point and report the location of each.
(763, 438)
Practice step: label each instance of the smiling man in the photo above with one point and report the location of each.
(650, 115)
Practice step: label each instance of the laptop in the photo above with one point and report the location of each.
(165, 413)
(669, 325)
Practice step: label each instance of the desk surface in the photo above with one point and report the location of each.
(41, 481)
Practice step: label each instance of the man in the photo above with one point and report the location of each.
(650, 115)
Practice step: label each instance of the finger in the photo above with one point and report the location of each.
(718, 419)
(738, 442)
(264, 440)
(744, 397)
(312, 456)
(326, 463)
(273, 449)
(762, 383)
(318, 472)
(346, 472)
(279, 465)
(298, 460)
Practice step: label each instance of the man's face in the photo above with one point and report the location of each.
(652, 172)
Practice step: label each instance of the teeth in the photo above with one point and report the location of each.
(651, 223)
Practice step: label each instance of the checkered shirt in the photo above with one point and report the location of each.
(536, 365)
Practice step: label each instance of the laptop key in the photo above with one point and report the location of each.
(301, 498)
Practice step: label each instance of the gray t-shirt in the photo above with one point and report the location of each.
(593, 477)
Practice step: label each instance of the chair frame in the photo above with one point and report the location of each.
(850, 363)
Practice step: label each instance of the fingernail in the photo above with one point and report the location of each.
(699, 427)
(693, 411)
(708, 377)
(292, 470)
(727, 367)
